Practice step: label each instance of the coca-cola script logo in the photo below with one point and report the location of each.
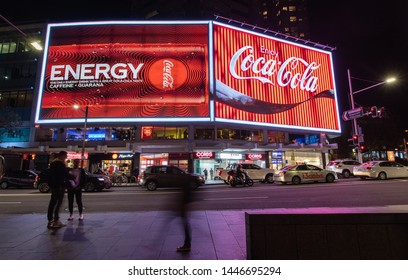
(289, 72)
(167, 74)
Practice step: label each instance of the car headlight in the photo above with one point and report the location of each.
(101, 179)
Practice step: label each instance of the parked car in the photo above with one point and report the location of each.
(162, 176)
(381, 170)
(264, 175)
(19, 178)
(343, 167)
(300, 173)
(92, 182)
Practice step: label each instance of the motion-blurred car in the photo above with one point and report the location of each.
(343, 167)
(381, 170)
(300, 173)
(162, 176)
(92, 182)
(19, 178)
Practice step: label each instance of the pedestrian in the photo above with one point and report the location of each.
(205, 173)
(57, 181)
(75, 190)
(211, 174)
(185, 199)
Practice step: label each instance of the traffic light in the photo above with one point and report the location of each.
(362, 148)
(355, 139)
(380, 112)
(374, 111)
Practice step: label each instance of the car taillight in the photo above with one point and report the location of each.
(36, 178)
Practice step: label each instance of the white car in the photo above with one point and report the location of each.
(343, 167)
(300, 173)
(381, 170)
(255, 172)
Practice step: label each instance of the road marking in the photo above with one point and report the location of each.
(10, 202)
(238, 198)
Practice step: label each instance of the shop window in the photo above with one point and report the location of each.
(204, 134)
(123, 134)
(154, 132)
(276, 137)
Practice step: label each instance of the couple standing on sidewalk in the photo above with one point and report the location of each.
(60, 179)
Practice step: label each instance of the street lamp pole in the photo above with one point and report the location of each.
(356, 130)
(354, 123)
(84, 133)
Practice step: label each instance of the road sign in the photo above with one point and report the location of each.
(353, 114)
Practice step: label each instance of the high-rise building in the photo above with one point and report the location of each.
(284, 16)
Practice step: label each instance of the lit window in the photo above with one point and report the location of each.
(300, 19)
(284, 8)
(286, 29)
(265, 13)
(292, 19)
(292, 8)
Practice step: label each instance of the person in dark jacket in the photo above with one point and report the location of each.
(58, 177)
(75, 190)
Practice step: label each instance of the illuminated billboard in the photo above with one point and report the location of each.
(267, 81)
(125, 72)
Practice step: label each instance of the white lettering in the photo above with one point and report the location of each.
(55, 72)
(167, 77)
(94, 71)
(204, 154)
(288, 72)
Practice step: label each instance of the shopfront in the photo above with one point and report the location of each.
(112, 163)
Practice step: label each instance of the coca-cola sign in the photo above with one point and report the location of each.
(263, 69)
(268, 81)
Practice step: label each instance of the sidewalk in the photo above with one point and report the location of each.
(154, 235)
(124, 236)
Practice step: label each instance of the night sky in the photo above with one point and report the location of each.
(370, 39)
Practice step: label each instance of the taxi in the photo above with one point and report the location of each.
(301, 173)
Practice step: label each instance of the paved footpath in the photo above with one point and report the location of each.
(154, 235)
(124, 236)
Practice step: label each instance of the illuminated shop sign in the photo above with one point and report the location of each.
(255, 156)
(203, 155)
(231, 156)
(75, 155)
(272, 82)
(122, 156)
(125, 71)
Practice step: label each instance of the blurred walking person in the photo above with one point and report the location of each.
(185, 199)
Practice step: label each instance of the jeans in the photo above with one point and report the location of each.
(77, 193)
(57, 196)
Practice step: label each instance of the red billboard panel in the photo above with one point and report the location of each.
(125, 71)
(272, 82)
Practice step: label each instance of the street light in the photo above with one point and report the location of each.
(77, 107)
(355, 126)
